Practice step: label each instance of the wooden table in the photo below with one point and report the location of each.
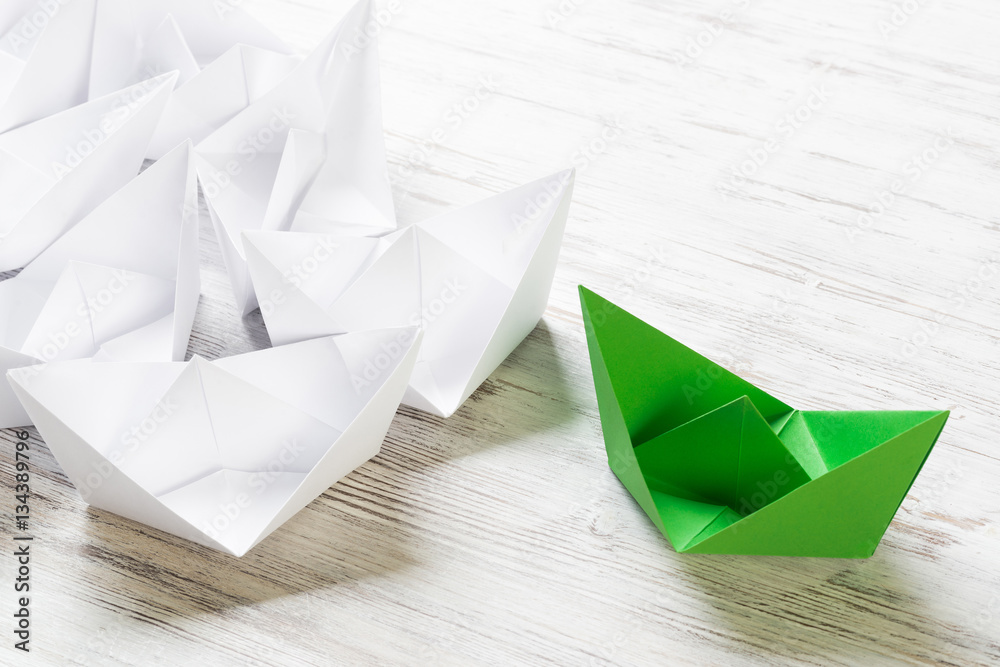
(732, 160)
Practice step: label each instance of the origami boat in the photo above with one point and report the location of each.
(122, 284)
(220, 453)
(476, 279)
(722, 467)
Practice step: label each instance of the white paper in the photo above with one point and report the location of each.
(123, 284)
(224, 452)
(309, 154)
(53, 172)
(45, 61)
(477, 279)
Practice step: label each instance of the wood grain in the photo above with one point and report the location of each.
(500, 536)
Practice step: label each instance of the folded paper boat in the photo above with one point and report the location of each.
(477, 279)
(722, 467)
(220, 453)
(122, 284)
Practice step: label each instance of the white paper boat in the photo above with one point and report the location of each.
(53, 172)
(224, 452)
(309, 154)
(477, 279)
(122, 284)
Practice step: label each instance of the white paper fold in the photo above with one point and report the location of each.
(308, 154)
(122, 284)
(220, 453)
(54, 171)
(476, 279)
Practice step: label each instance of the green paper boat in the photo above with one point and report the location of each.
(723, 467)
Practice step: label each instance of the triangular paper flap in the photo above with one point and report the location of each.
(234, 507)
(387, 294)
(178, 445)
(12, 414)
(617, 441)
(240, 200)
(795, 436)
(304, 153)
(842, 436)
(153, 342)
(63, 329)
(352, 186)
(767, 469)
(114, 159)
(658, 383)
(351, 367)
(210, 29)
(530, 298)
(122, 395)
(501, 234)
(414, 398)
(698, 461)
(462, 306)
(165, 50)
(236, 267)
(257, 432)
(216, 94)
(319, 265)
(126, 36)
(361, 440)
(841, 514)
(299, 101)
(118, 301)
(136, 229)
(289, 314)
(60, 58)
(100, 483)
(684, 519)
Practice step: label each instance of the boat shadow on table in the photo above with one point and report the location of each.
(880, 605)
(359, 528)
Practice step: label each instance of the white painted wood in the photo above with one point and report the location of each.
(500, 536)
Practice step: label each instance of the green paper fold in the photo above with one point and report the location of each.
(721, 466)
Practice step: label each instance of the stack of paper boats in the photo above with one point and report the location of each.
(290, 155)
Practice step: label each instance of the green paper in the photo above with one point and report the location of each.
(723, 467)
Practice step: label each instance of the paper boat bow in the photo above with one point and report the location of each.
(721, 466)
(220, 453)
